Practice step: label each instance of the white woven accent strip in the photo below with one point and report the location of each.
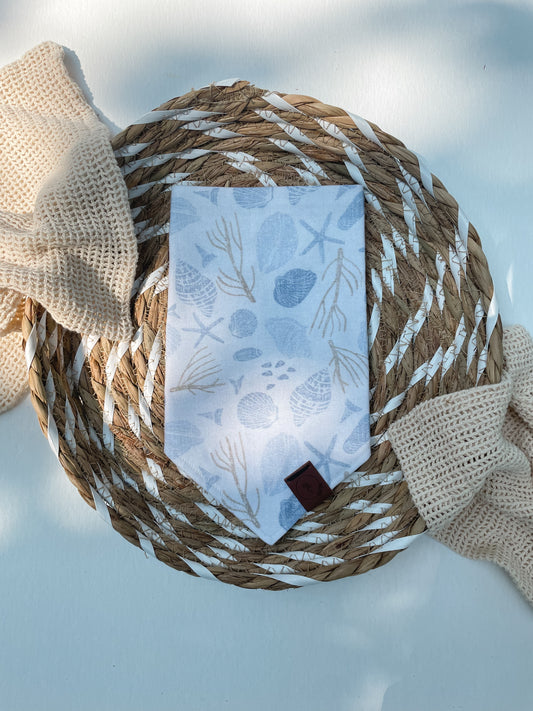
(291, 130)
(131, 149)
(144, 410)
(365, 128)
(425, 174)
(399, 242)
(306, 176)
(133, 420)
(147, 162)
(286, 146)
(398, 544)
(31, 346)
(100, 506)
(221, 132)
(222, 521)
(455, 267)
(359, 479)
(412, 182)
(357, 176)
(389, 268)
(225, 555)
(373, 325)
(408, 197)
(237, 156)
(146, 544)
(136, 340)
(433, 365)
(439, 289)
(353, 155)
(309, 557)
(411, 329)
(454, 350)
(369, 507)
(232, 544)
(462, 251)
(227, 82)
(153, 362)
(262, 177)
(199, 569)
(70, 427)
(317, 538)
(472, 343)
(150, 483)
(200, 125)
(293, 579)
(280, 103)
(313, 166)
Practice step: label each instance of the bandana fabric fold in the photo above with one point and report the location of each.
(467, 458)
(66, 233)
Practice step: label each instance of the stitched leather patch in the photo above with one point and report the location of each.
(308, 486)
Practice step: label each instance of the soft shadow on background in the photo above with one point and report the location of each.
(87, 620)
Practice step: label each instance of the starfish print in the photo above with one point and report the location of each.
(205, 330)
(319, 237)
(324, 458)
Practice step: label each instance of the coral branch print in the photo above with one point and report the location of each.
(329, 316)
(346, 362)
(230, 457)
(199, 375)
(228, 239)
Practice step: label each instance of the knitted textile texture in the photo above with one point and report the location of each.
(467, 458)
(66, 232)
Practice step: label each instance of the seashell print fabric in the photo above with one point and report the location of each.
(267, 353)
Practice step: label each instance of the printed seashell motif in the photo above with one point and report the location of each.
(358, 436)
(180, 436)
(252, 198)
(243, 322)
(277, 242)
(297, 192)
(257, 411)
(290, 511)
(289, 336)
(292, 287)
(312, 397)
(183, 213)
(282, 455)
(194, 288)
(352, 214)
(247, 354)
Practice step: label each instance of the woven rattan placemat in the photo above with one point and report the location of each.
(432, 326)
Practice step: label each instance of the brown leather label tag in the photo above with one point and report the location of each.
(308, 486)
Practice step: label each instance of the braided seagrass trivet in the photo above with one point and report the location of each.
(432, 324)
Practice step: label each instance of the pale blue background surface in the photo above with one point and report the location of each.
(86, 621)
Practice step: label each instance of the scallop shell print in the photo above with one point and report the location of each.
(194, 288)
(180, 436)
(277, 242)
(242, 323)
(252, 198)
(292, 287)
(257, 411)
(312, 397)
(289, 336)
(183, 213)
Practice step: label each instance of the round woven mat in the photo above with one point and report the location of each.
(432, 329)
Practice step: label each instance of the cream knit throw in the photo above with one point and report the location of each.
(66, 232)
(467, 458)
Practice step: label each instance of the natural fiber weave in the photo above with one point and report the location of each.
(433, 329)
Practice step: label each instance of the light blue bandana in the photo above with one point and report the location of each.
(266, 348)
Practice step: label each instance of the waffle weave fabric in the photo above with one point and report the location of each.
(66, 233)
(467, 458)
